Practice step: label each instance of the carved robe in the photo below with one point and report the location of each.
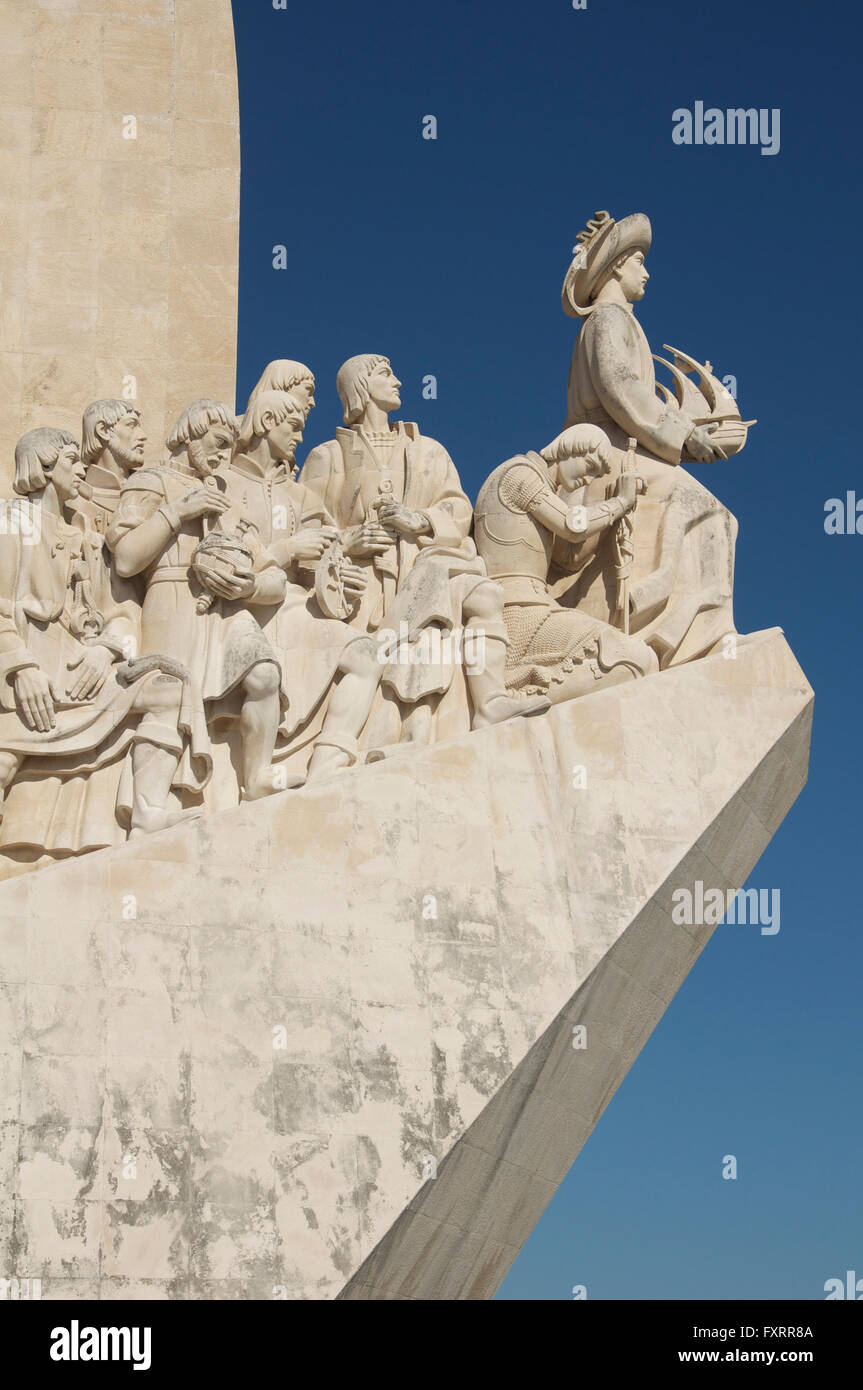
(98, 510)
(220, 646)
(73, 789)
(309, 645)
(683, 537)
(420, 581)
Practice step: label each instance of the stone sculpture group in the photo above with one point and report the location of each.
(216, 626)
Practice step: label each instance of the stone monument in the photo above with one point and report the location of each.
(341, 820)
(121, 150)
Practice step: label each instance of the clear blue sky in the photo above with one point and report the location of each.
(448, 257)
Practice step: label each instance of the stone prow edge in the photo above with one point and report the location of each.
(459, 1236)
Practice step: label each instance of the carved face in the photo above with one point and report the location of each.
(211, 451)
(384, 387)
(67, 475)
(304, 392)
(575, 472)
(284, 438)
(126, 440)
(633, 276)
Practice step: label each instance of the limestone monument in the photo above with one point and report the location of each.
(118, 117)
(334, 808)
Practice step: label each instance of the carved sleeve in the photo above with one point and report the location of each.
(320, 476)
(450, 513)
(613, 356)
(15, 654)
(314, 511)
(140, 531)
(270, 580)
(521, 486)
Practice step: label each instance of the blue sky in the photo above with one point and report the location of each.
(448, 257)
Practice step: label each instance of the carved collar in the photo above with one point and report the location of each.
(354, 441)
(241, 463)
(101, 478)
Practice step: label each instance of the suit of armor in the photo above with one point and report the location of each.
(556, 651)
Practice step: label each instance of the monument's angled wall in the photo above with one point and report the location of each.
(118, 255)
(227, 1063)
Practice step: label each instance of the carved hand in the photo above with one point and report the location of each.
(354, 579)
(627, 489)
(310, 543)
(700, 446)
(408, 522)
(370, 539)
(92, 667)
(35, 699)
(238, 583)
(198, 501)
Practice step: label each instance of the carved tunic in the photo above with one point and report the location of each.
(421, 581)
(55, 594)
(218, 647)
(346, 474)
(98, 510)
(683, 537)
(309, 646)
(612, 384)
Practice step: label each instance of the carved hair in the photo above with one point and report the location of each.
(35, 455)
(352, 383)
(109, 413)
(196, 419)
(577, 441)
(281, 376)
(265, 411)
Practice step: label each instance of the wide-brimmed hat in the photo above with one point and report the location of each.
(598, 247)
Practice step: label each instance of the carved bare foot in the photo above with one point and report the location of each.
(270, 781)
(499, 708)
(149, 819)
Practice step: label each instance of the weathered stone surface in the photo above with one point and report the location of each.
(118, 257)
(229, 1051)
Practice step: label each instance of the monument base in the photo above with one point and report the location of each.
(322, 1045)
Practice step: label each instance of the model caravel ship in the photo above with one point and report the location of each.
(730, 432)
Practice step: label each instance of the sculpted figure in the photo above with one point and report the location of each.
(112, 448)
(520, 514)
(161, 519)
(681, 593)
(330, 671)
(70, 701)
(294, 378)
(398, 503)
